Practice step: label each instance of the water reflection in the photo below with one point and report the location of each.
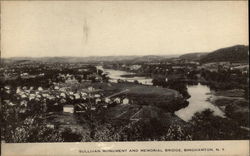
(115, 75)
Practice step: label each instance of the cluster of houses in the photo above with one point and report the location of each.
(216, 66)
(61, 99)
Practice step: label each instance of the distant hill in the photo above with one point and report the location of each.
(193, 56)
(152, 58)
(238, 53)
(89, 59)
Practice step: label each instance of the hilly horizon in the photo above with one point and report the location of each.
(237, 53)
(133, 58)
(232, 53)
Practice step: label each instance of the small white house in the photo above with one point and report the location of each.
(97, 95)
(68, 108)
(91, 88)
(117, 100)
(125, 101)
(72, 97)
(50, 126)
(77, 96)
(93, 108)
(40, 88)
(24, 103)
(23, 96)
(107, 100)
(7, 87)
(63, 95)
(98, 100)
(84, 94)
(18, 90)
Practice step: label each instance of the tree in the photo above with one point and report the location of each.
(206, 126)
(32, 129)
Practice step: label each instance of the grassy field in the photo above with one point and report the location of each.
(168, 99)
(133, 89)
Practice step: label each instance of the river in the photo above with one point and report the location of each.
(115, 75)
(198, 102)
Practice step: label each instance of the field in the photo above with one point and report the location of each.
(165, 98)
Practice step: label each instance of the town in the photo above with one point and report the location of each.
(46, 101)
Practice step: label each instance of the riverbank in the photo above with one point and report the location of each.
(234, 104)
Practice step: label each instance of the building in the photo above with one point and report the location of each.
(125, 101)
(68, 108)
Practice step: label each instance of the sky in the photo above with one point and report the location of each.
(103, 28)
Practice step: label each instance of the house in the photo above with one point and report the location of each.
(97, 95)
(40, 88)
(45, 95)
(68, 108)
(77, 96)
(84, 94)
(11, 104)
(117, 100)
(18, 90)
(93, 108)
(107, 100)
(63, 89)
(7, 87)
(23, 96)
(7, 91)
(63, 95)
(24, 103)
(135, 67)
(81, 107)
(51, 97)
(72, 97)
(32, 96)
(97, 100)
(125, 101)
(50, 126)
(91, 88)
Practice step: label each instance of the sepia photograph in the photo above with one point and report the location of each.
(124, 72)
